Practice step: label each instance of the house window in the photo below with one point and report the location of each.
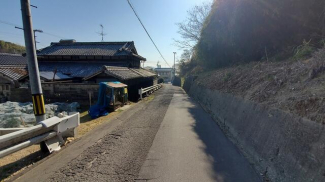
(74, 57)
(106, 57)
(83, 57)
(7, 87)
(98, 57)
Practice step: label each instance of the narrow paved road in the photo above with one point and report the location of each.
(167, 139)
(189, 146)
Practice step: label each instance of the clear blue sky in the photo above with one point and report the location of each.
(80, 19)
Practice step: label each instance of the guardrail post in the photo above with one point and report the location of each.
(140, 93)
(149, 90)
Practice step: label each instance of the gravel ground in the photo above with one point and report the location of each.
(118, 155)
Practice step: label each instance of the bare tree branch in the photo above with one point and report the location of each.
(190, 29)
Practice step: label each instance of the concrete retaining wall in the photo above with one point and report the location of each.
(281, 145)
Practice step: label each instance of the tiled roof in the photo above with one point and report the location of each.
(13, 73)
(123, 73)
(12, 60)
(90, 49)
(143, 72)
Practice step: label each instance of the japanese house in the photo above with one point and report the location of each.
(72, 71)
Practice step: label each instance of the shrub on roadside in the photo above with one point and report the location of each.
(304, 50)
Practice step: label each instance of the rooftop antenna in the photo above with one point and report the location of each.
(102, 32)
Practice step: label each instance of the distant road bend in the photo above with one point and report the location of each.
(169, 139)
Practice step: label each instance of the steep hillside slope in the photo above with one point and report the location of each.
(294, 86)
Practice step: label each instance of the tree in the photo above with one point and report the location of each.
(190, 29)
(8, 47)
(186, 55)
(185, 64)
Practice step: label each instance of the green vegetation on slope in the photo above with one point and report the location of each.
(8, 47)
(239, 31)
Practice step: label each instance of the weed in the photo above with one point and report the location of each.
(149, 98)
(304, 50)
(182, 81)
(227, 77)
(322, 42)
(270, 77)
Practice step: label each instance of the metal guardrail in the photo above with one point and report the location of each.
(50, 131)
(149, 90)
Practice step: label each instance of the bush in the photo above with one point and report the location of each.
(160, 80)
(304, 50)
(177, 81)
(8, 47)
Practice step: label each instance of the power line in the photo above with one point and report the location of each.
(15, 25)
(21, 35)
(8, 23)
(53, 35)
(147, 32)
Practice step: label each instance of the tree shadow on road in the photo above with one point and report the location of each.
(227, 161)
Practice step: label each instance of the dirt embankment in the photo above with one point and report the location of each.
(293, 86)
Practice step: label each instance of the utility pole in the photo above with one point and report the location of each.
(34, 77)
(36, 30)
(174, 65)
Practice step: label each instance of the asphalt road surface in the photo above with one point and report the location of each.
(169, 139)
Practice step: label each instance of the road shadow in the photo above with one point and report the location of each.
(12, 168)
(228, 163)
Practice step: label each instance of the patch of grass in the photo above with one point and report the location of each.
(150, 98)
(304, 50)
(87, 123)
(227, 77)
(270, 77)
(322, 42)
(182, 81)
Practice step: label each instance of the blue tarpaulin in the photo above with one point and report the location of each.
(100, 109)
